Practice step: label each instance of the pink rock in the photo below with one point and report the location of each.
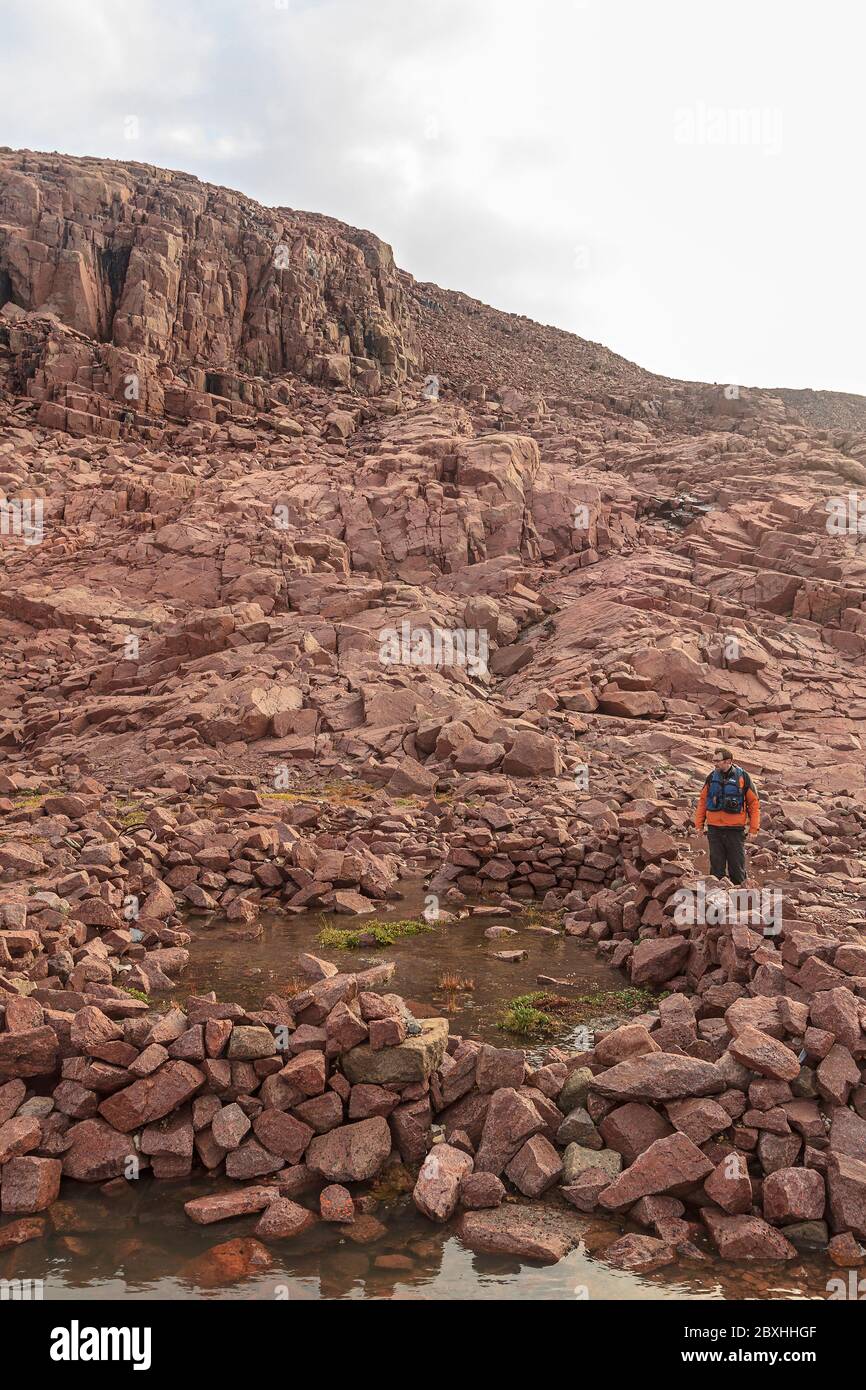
(223, 1206)
(29, 1185)
(229, 1126)
(837, 1074)
(152, 1097)
(481, 1190)
(97, 1152)
(640, 1254)
(511, 1120)
(666, 1165)
(586, 1188)
(251, 1160)
(658, 960)
(283, 1219)
(282, 1134)
(730, 1186)
(835, 1011)
(631, 1040)
(793, 1194)
(335, 1204)
(18, 1137)
(535, 1167)
(763, 1054)
(700, 1118)
(846, 1187)
(631, 1128)
(535, 1232)
(660, 1076)
(746, 1238)
(436, 1190)
(351, 1153)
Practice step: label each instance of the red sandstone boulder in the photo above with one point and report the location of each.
(763, 1054)
(29, 1185)
(284, 1219)
(666, 1165)
(660, 1076)
(793, 1194)
(511, 1120)
(746, 1238)
(152, 1097)
(436, 1190)
(352, 1152)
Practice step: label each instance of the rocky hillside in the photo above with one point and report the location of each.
(313, 577)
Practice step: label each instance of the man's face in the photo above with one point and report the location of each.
(722, 764)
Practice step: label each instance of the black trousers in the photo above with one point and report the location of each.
(727, 852)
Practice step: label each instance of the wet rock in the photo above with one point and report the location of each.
(227, 1264)
(283, 1219)
(335, 1204)
(223, 1206)
(640, 1254)
(746, 1238)
(536, 1233)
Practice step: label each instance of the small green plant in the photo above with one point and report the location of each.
(138, 994)
(522, 1015)
(383, 933)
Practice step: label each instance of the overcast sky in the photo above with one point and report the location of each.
(681, 181)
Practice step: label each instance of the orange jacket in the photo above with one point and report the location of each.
(751, 811)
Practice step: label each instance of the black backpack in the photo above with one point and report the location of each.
(724, 792)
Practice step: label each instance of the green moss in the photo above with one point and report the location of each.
(384, 933)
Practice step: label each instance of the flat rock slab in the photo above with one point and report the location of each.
(411, 1060)
(543, 1234)
(659, 1076)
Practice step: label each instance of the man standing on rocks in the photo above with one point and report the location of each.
(729, 806)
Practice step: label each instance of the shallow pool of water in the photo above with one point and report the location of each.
(138, 1243)
(245, 970)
